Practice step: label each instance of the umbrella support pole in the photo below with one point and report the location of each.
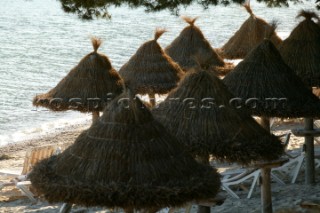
(152, 99)
(266, 198)
(265, 123)
(265, 178)
(129, 210)
(265, 181)
(204, 159)
(149, 210)
(309, 153)
(95, 116)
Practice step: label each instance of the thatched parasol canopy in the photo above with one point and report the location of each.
(126, 159)
(87, 87)
(199, 113)
(150, 70)
(249, 35)
(301, 50)
(277, 90)
(190, 43)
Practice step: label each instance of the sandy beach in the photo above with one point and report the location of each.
(286, 198)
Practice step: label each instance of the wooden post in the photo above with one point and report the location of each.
(95, 116)
(265, 123)
(266, 198)
(152, 99)
(150, 210)
(129, 210)
(204, 159)
(265, 181)
(309, 152)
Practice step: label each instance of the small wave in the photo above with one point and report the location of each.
(43, 129)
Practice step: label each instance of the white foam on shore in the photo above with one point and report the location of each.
(55, 126)
(283, 35)
(44, 129)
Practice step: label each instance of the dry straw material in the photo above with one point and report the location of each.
(87, 87)
(301, 50)
(199, 114)
(190, 43)
(150, 70)
(276, 90)
(126, 159)
(249, 35)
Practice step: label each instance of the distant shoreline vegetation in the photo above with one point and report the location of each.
(88, 10)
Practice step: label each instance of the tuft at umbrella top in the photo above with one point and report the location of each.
(301, 50)
(88, 87)
(150, 70)
(190, 43)
(247, 37)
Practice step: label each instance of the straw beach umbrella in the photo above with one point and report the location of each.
(151, 71)
(271, 85)
(191, 42)
(249, 35)
(270, 88)
(86, 88)
(126, 159)
(199, 114)
(301, 51)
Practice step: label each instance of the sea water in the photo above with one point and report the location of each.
(39, 44)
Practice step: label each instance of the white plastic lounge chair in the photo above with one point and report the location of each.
(316, 124)
(243, 176)
(317, 163)
(292, 167)
(285, 138)
(20, 178)
(295, 163)
(239, 176)
(65, 208)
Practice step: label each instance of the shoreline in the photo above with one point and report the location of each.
(67, 135)
(43, 129)
(59, 136)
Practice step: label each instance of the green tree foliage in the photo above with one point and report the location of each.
(89, 9)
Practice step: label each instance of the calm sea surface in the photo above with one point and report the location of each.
(39, 44)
